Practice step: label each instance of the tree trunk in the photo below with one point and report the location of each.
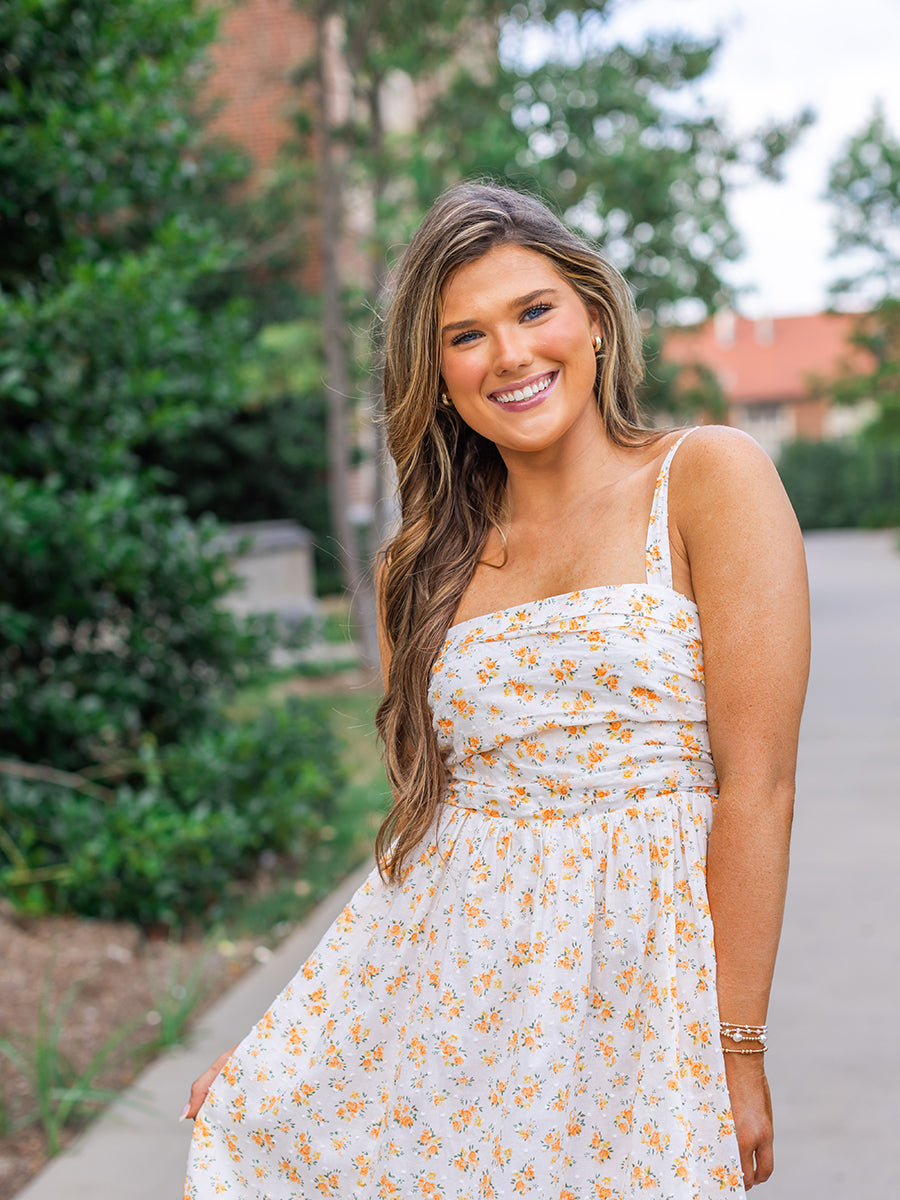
(357, 579)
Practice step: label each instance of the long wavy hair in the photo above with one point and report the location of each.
(452, 481)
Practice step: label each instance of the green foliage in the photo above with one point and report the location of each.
(110, 621)
(174, 1006)
(288, 888)
(99, 143)
(877, 336)
(864, 188)
(265, 460)
(191, 818)
(834, 485)
(116, 326)
(123, 791)
(115, 352)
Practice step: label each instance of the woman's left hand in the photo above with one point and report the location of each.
(751, 1107)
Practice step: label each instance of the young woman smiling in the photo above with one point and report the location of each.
(595, 643)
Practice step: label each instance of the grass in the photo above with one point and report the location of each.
(62, 1094)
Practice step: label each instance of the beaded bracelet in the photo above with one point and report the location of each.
(744, 1033)
(729, 1050)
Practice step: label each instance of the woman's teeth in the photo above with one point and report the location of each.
(524, 393)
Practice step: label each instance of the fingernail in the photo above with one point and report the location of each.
(184, 1112)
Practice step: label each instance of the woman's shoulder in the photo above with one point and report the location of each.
(719, 440)
(716, 460)
(722, 482)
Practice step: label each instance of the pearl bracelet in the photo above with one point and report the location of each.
(744, 1033)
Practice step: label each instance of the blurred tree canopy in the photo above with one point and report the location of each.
(116, 324)
(398, 100)
(864, 190)
(538, 95)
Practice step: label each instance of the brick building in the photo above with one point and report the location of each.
(260, 45)
(771, 370)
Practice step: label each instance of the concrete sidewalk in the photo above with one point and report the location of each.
(834, 1060)
(834, 1063)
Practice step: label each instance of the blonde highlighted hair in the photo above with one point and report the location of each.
(451, 481)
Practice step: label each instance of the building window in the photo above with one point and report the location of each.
(770, 422)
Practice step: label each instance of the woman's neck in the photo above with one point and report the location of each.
(542, 488)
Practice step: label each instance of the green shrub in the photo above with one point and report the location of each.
(110, 622)
(261, 463)
(834, 485)
(192, 818)
(119, 321)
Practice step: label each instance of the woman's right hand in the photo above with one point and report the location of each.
(201, 1085)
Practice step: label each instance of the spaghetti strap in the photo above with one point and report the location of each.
(658, 556)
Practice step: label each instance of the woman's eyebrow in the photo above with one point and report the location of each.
(518, 302)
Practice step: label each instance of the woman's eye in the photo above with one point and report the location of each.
(535, 310)
(462, 338)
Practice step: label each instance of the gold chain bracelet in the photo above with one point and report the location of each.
(728, 1050)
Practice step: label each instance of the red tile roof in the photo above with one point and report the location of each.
(770, 359)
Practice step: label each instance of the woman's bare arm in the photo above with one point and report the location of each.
(748, 574)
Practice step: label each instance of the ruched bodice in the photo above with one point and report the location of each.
(594, 699)
(531, 1012)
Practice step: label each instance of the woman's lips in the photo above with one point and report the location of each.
(544, 383)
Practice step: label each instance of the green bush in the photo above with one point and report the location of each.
(127, 317)
(191, 820)
(110, 621)
(116, 325)
(262, 463)
(834, 485)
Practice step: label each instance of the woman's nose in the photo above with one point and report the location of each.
(511, 350)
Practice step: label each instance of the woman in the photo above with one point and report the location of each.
(525, 1000)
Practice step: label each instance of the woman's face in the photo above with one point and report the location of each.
(517, 351)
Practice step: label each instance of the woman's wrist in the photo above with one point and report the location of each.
(743, 1032)
(743, 1040)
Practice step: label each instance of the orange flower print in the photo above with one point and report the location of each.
(304, 1149)
(646, 699)
(461, 704)
(520, 689)
(606, 677)
(487, 671)
(726, 1177)
(564, 670)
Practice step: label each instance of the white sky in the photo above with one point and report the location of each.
(779, 56)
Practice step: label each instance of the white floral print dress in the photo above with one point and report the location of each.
(532, 1011)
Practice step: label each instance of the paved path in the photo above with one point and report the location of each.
(835, 1058)
(834, 1063)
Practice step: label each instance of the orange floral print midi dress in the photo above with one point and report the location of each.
(532, 1011)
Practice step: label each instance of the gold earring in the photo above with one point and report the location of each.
(445, 399)
(598, 343)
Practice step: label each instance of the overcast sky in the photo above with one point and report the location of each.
(779, 56)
